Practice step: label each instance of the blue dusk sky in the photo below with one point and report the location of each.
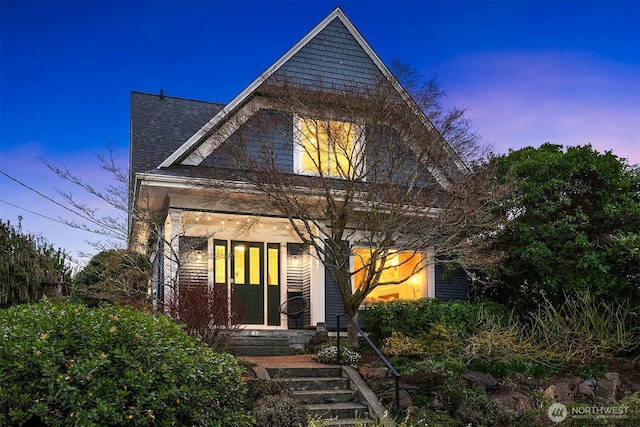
(528, 72)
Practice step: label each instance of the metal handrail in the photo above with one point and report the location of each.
(395, 373)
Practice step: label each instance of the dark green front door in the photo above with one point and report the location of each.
(248, 279)
(273, 284)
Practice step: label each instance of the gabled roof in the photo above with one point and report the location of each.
(160, 124)
(181, 155)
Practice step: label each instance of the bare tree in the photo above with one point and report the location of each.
(371, 175)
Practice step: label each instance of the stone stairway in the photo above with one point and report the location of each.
(328, 393)
(270, 343)
(261, 346)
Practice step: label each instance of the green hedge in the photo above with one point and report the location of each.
(64, 364)
(413, 318)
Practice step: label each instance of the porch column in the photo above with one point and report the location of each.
(317, 291)
(171, 254)
(431, 273)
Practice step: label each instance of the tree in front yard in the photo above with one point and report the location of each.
(575, 226)
(114, 275)
(380, 178)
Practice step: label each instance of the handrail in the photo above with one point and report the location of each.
(395, 373)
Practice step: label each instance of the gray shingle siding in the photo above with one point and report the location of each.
(264, 129)
(333, 58)
(332, 298)
(454, 289)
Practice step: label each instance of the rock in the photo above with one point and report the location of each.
(481, 380)
(614, 377)
(374, 377)
(373, 373)
(559, 392)
(389, 398)
(584, 388)
(606, 389)
(436, 404)
(513, 400)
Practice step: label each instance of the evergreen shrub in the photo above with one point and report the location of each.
(65, 364)
(413, 318)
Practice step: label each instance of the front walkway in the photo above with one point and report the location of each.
(293, 361)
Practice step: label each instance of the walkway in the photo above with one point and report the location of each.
(293, 361)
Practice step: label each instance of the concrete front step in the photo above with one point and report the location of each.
(242, 350)
(329, 371)
(260, 341)
(340, 411)
(261, 346)
(313, 383)
(347, 422)
(325, 396)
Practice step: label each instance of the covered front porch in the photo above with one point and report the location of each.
(269, 279)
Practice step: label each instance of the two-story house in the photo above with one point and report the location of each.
(206, 217)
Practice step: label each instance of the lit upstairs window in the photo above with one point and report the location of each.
(327, 147)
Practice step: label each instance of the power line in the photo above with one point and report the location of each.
(85, 217)
(35, 213)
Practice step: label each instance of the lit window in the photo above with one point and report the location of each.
(404, 269)
(273, 263)
(327, 147)
(220, 263)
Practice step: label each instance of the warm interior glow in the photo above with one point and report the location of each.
(273, 266)
(238, 257)
(402, 267)
(220, 266)
(328, 147)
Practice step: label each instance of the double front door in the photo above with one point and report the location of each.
(255, 277)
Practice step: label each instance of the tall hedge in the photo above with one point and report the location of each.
(412, 318)
(26, 262)
(64, 364)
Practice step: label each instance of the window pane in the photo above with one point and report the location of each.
(220, 266)
(254, 266)
(238, 262)
(273, 260)
(314, 145)
(399, 266)
(328, 146)
(341, 143)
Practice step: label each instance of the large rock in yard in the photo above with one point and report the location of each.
(481, 380)
(607, 387)
(559, 392)
(513, 400)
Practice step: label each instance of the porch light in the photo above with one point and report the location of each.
(198, 255)
(295, 260)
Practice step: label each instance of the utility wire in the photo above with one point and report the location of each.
(35, 213)
(50, 199)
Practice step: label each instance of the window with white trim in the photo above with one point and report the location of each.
(327, 147)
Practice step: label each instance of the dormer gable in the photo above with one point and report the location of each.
(334, 53)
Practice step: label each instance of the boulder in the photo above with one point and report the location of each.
(584, 389)
(513, 400)
(436, 404)
(388, 397)
(559, 392)
(607, 387)
(481, 380)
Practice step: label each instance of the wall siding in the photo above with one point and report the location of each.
(454, 289)
(333, 58)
